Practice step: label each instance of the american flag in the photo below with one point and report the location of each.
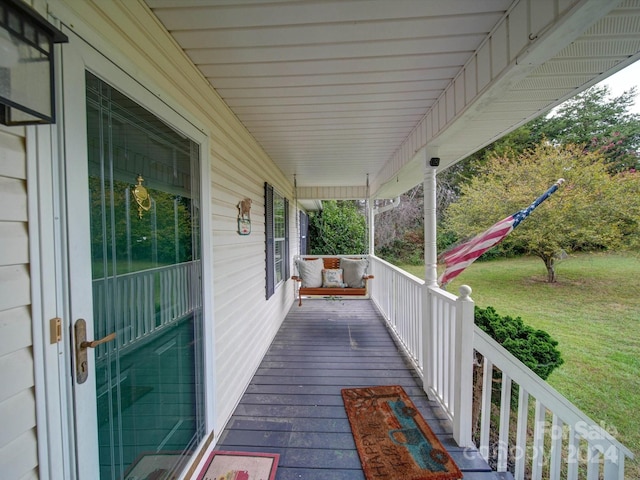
(460, 257)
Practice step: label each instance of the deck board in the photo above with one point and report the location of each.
(293, 405)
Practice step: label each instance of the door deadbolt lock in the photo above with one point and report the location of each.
(82, 365)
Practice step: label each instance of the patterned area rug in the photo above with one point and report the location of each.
(392, 438)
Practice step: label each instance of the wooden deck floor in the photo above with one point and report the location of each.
(293, 406)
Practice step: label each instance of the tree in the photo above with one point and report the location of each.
(599, 123)
(593, 119)
(339, 228)
(407, 216)
(626, 213)
(584, 214)
(399, 232)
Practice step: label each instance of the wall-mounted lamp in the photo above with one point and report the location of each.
(27, 93)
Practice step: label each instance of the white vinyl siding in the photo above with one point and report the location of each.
(18, 444)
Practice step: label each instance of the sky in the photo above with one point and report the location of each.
(624, 80)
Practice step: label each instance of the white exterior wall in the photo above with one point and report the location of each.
(18, 444)
(244, 322)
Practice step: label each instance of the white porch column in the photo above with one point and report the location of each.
(431, 274)
(372, 226)
(430, 242)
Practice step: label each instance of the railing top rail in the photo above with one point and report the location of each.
(439, 292)
(397, 270)
(541, 390)
(150, 270)
(358, 255)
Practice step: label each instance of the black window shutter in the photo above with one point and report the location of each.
(269, 247)
(304, 229)
(287, 267)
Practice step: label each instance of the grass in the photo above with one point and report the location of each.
(594, 313)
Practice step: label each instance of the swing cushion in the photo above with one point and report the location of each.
(354, 272)
(310, 272)
(330, 263)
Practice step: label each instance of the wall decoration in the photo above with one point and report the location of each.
(141, 196)
(244, 216)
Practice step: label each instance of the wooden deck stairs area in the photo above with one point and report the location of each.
(293, 405)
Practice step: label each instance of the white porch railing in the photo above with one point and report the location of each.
(398, 295)
(449, 353)
(565, 442)
(564, 439)
(134, 305)
(437, 345)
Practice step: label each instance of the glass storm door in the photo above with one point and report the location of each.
(143, 183)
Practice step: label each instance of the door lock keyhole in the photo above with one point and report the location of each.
(82, 365)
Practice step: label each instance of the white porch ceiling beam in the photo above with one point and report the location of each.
(357, 192)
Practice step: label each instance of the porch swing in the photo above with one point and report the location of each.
(331, 276)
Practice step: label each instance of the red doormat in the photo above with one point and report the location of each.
(392, 438)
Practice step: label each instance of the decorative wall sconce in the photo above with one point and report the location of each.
(244, 216)
(27, 88)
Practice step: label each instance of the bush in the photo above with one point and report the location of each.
(445, 239)
(408, 250)
(535, 348)
(339, 228)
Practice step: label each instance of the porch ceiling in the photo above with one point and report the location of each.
(334, 90)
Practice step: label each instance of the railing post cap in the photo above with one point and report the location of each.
(465, 292)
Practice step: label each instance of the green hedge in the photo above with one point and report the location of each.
(535, 348)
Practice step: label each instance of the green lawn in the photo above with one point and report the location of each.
(594, 313)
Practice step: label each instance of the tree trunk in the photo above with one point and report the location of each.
(477, 395)
(549, 262)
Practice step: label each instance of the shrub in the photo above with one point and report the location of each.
(406, 250)
(535, 348)
(339, 228)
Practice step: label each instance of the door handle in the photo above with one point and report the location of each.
(95, 343)
(82, 366)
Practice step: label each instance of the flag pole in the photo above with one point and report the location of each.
(525, 212)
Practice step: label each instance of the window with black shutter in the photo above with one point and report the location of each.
(276, 239)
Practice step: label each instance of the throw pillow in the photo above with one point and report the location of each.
(311, 272)
(354, 270)
(332, 278)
